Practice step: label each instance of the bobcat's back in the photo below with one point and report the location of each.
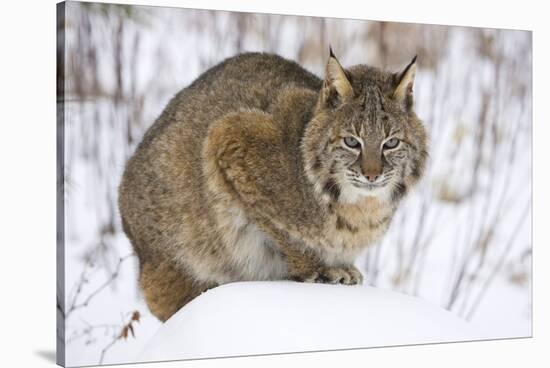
(161, 197)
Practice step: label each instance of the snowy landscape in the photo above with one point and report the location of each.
(288, 317)
(461, 242)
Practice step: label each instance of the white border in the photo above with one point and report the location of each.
(27, 184)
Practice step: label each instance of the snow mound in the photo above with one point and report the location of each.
(249, 318)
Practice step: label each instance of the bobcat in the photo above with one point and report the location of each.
(260, 170)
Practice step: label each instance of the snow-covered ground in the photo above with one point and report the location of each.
(283, 317)
(461, 241)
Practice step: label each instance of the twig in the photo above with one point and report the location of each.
(106, 348)
(87, 331)
(125, 329)
(74, 305)
(499, 264)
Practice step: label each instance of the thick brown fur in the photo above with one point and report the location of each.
(246, 176)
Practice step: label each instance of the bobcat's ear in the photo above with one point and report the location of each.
(336, 82)
(403, 92)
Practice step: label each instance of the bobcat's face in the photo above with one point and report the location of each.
(371, 146)
(365, 139)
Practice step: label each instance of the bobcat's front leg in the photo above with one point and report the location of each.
(241, 155)
(347, 275)
(305, 265)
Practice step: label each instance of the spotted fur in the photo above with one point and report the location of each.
(245, 176)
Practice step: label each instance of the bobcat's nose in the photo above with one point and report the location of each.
(372, 178)
(371, 166)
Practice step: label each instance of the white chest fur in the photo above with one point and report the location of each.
(252, 253)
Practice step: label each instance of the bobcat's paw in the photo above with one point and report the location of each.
(347, 275)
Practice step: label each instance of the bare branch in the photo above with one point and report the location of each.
(499, 264)
(74, 305)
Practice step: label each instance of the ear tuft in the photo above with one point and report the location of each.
(336, 79)
(403, 92)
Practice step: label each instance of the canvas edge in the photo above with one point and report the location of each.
(60, 192)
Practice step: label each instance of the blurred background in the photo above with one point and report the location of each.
(461, 240)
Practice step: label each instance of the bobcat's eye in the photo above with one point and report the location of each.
(351, 142)
(391, 143)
